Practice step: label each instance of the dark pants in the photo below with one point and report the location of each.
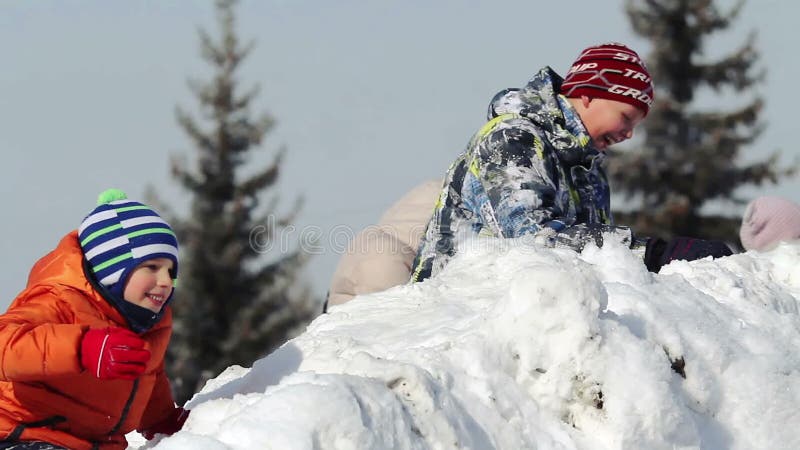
(29, 445)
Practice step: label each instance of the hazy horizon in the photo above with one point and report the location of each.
(370, 99)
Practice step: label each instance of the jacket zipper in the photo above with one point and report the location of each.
(124, 414)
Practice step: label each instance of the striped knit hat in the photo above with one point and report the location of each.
(119, 235)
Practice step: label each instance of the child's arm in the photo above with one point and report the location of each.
(161, 415)
(38, 339)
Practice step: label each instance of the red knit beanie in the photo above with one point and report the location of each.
(611, 71)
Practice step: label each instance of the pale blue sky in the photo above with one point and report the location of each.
(371, 98)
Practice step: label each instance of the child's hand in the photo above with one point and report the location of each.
(660, 252)
(169, 425)
(111, 353)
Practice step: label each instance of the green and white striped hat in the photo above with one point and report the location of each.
(119, 235)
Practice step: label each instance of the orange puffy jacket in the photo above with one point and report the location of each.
(45, 394)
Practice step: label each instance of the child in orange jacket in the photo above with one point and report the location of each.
(82, 347)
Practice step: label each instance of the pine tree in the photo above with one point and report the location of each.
(690, 156)
(234, 304)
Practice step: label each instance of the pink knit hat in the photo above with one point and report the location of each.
(769, 220)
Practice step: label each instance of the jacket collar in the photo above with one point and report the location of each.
(539, 102)
(65, 266)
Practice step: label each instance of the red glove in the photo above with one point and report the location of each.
(170, 425)
(111, 353)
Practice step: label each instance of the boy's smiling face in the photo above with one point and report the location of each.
(609, 122)
(150, 284)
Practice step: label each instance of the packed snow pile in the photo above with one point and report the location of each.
(516, 346)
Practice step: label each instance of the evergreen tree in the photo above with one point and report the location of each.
(691, 155)
(232, 305)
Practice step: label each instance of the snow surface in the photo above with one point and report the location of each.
(516, 346)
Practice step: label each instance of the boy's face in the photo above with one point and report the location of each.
(609, 122)
(150, 284)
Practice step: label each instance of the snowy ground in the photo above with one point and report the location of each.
(515, 346)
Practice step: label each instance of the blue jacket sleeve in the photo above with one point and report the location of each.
(524, 196)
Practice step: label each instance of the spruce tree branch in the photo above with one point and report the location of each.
(231, 307)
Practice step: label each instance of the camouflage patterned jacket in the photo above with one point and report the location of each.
(530, 170)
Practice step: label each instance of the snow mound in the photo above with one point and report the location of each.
(515, 346)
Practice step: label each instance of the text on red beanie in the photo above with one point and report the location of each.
(611, 71)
